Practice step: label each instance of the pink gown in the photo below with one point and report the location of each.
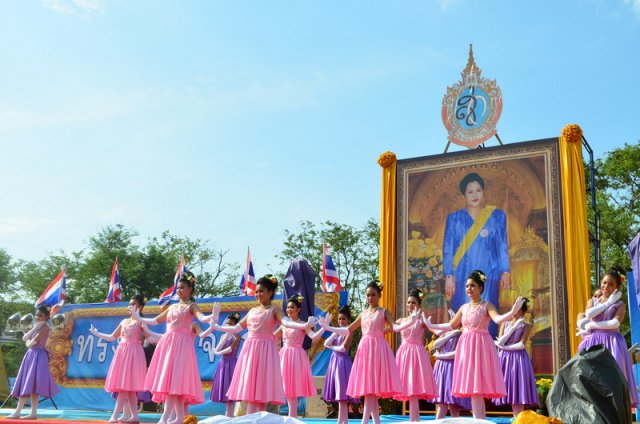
(129, 366)
(414, 364)
(174, 367)
(476, 368)
(374, 370)
(294, 362)
(257, 377)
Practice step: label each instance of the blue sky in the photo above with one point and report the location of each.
(233, 121)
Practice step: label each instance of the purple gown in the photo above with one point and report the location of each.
(338, 371)
(34, 376)
(518, 373)
(616, 344)
(224, 371)
(443, 374)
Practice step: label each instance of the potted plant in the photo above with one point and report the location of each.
(543, 385)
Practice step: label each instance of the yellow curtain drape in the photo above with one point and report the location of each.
(388, 231)
(576, 238)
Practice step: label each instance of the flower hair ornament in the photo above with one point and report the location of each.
(235, 315)
(298, 297)
(622, 279)
(272, 278)
(420, 294)
(481, 276)
(189, 277)
(380, 284)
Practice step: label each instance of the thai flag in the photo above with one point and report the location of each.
(115, 288)
(248, 280)
(330, 277)
(170, 293)
(55, 294)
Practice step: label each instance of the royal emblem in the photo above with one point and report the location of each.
(471, 108)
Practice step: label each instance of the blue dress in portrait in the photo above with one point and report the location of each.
(488, 252)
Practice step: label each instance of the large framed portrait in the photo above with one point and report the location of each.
(496, 209)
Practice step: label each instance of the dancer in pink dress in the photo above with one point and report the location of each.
(413, 360)
(128, 367)
(374, 371)
(173, 376)
(257, 378)
(476, 369)
(294, 361)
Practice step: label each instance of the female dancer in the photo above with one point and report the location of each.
(476, 369)
(173, 376)
(294, 362)
(413, 361)
(34, 378)
(257, 378)
(128, 368)
(339, 368)
(374, 371)
(227, 349)
(445, 347)
(517, 368)
(604, 316)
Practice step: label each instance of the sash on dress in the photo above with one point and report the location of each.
(472, 234)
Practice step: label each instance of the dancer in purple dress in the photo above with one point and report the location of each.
(34, 378)
(339, 368)
(517, 368)
(445, 347)
(227, 349)
(603, 318)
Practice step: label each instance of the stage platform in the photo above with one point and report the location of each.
(55, 416)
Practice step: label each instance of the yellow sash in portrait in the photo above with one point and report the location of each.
(471, 235)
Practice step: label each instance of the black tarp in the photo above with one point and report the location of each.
(590, 388)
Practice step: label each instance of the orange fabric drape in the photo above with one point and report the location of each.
(576, 238)
(388, 231)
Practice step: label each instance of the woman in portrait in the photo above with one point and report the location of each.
(475, 237)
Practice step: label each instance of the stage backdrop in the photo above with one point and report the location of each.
(520, 236)
(79, 361)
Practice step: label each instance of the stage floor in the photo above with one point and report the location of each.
(72, 415)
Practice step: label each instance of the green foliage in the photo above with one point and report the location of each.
(148, 270)
(354, 252)
(7, 277)
(617, 189)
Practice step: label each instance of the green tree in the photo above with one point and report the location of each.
(354, 252)
(216, 276)
(148, 270)
(617, 189)
(7, 271)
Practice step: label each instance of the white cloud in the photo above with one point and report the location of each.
(635, 6)
(80, 110)
(22, 225)
(444, 4)
(81, 8)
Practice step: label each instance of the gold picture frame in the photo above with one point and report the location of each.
(523, 180)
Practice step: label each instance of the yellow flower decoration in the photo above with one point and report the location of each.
(572, 133)
(386, 159)
(190, 419)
